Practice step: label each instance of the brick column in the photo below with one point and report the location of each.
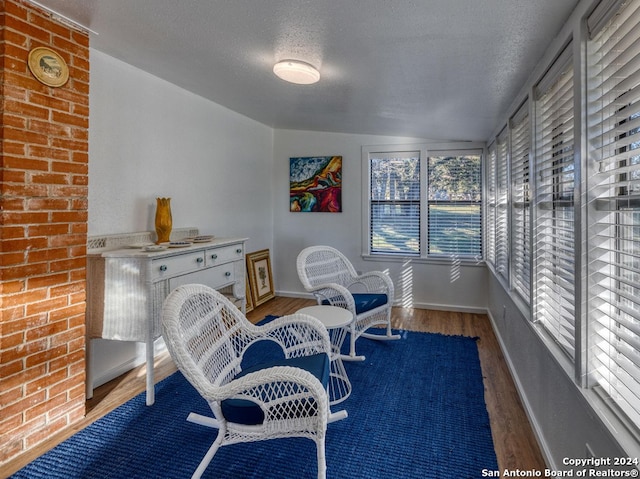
(43, 186)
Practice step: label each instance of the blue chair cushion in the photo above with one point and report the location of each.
(367, 301)
(244, 411)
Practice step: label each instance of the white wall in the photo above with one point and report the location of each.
(149, 138)
(418, 285)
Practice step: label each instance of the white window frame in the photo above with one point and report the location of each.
(425, 150)
(502, 233)
(491, 201)
(520, 200)
(553, 241)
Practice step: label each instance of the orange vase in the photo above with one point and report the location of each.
(163, 219)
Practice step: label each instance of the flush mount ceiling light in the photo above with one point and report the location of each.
(295, 71)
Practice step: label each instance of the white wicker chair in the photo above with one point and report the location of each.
(330, 276)
(208, 336)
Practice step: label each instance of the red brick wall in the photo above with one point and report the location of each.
(43, 235)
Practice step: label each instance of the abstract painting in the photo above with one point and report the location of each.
(315, 184)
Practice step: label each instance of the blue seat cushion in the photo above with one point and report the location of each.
(244, 411)
(367, 301)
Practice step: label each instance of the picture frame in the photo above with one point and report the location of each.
(260, 277)
(248, 307)
(315, 184)
(48, 67)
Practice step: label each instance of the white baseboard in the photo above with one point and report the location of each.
(447, 307)
(537, 430)
(126, 366)
(119, 370)
(295, 294)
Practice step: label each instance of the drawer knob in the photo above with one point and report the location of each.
(239, 251)
(227, 273)
(214, 256)
(163, 267)
(199, 260)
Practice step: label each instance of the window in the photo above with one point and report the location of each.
(554, 235)
(423, 202)
(454, 201)
(395, 202)
(521, 203)
(614, 207)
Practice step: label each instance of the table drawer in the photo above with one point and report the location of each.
(215, 277)
(224, 254)
(221, 275)
(176, 265)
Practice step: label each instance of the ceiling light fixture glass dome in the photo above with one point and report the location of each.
(295, 71)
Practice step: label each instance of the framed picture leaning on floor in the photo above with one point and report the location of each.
(260, 277)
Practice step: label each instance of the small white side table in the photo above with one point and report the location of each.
(335, 319)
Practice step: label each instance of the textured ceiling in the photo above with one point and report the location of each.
(442, 69)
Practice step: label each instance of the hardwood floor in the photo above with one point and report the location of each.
(513, 438)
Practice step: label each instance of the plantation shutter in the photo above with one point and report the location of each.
(502, 211)
(614, 203)
(491, 205)
(554, 236)
(395, 202)
(520, 203)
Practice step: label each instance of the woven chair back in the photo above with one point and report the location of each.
(213, 332)
(323, 264)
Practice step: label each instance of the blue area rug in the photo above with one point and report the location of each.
(416, 411)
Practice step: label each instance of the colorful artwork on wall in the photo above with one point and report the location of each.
(315, 184)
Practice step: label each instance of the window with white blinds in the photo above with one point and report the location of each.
(492, 205)
(423, 203)
(519, 127)
(502, 209)
(454, 204)
(613, 112)
(554, 235)
(395, 202)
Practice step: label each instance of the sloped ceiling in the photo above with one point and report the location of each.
(441, 69)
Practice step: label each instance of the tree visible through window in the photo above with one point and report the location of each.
(395, 203)
(424, 206)
(454, 205)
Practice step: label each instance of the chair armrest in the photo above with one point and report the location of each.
(270, 388)
(297, 334)
(336, 295)
(375, 282)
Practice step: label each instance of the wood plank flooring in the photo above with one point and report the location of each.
(513, 438)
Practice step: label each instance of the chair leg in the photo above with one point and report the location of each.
(322, 461)
(389, 334)
(203, 420)
(208, 456)
(337, 416)
(352, 348)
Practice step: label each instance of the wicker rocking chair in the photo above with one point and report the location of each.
(328, 274)
(208, 337)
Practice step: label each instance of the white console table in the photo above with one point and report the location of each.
(126, 286)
